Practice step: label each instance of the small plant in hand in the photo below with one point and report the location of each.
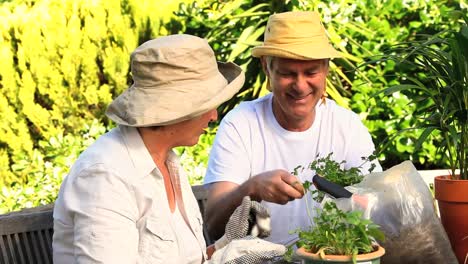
(340, 233)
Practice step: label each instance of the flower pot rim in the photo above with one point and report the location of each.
(447, 178)
(301, 252)
(449, 190)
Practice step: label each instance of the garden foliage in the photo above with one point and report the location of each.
(62, 62)
(439, 79)
(360, 30)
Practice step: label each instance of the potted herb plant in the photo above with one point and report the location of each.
(440, 64)
(340, 237)
(337, 236)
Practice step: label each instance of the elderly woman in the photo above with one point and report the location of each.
(126, 199)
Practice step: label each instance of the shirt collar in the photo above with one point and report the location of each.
(137, 151)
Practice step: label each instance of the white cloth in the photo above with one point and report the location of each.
(248, 250)
(250, 141)
(112, 207)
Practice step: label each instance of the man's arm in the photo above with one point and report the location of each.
(223, 199)
(277, 186)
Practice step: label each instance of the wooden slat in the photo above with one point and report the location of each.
(18, 249)
(43, 248)
(33, 239)
(24, 242)
(48, 235)
(11, 248)
(4, 258)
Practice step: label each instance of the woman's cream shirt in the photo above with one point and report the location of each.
(113, 208)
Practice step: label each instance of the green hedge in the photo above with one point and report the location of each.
(61, 63)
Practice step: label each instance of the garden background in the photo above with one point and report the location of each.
(63, 61)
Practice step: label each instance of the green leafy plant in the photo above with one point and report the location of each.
(333, 171)
(336, 232)
(439, 81)
(340, 233)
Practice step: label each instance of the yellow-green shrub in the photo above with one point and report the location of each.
(61, 63)
(46, 168)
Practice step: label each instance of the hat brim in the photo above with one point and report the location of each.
(310, 54)
(166, 115)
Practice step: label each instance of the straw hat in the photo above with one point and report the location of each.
(296, 35)
(175, 78)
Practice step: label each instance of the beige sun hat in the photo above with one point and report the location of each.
(175, 78)
(296, 35)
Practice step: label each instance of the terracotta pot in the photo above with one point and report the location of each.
(452, 197)
(313, 258)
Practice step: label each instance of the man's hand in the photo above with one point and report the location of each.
(277, 186)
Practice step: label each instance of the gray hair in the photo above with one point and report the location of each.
(269, 62)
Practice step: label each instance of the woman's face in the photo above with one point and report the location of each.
(189, 131)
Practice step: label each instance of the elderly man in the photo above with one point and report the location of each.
(260, 142)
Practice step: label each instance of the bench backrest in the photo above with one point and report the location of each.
(27, 234)
(201, 193)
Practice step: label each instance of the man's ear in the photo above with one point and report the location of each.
(264, 66)
(327, 65)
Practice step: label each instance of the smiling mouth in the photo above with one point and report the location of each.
(298, 98)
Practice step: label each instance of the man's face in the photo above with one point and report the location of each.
(297, 86)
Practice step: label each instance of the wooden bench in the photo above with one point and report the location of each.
(27, 234)
(201, 193)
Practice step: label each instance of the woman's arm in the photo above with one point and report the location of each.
(104, 214)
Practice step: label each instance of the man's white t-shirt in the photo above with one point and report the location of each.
(250, 141)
